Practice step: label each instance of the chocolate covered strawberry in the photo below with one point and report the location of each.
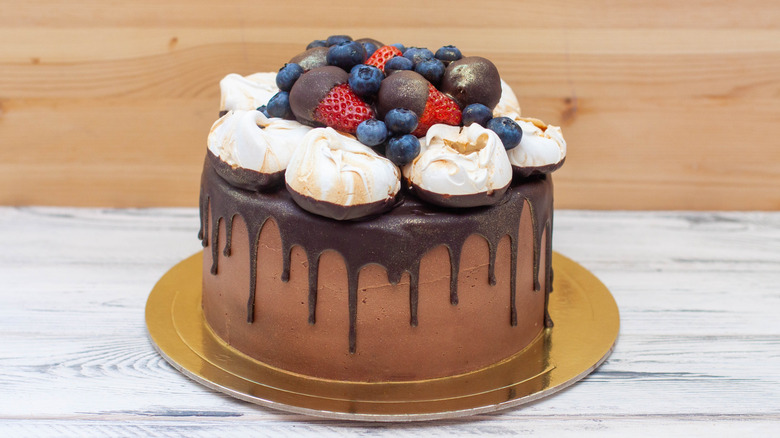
(382, 55)
(322, 96)
(407, 89)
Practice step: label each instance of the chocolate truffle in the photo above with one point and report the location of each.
(403, 89)
(312, 58)
(472, 79)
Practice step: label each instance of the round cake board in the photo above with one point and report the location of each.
(586, 327)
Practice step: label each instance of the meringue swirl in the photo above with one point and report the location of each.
(460, 161)
(541, 145)
(508, 105)
(250, 140)
(338, 169)
(246, 93)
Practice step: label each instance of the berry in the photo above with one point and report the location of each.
(401, 121)
(438, 109)
(398, 63)
(335, 39)
(342, 109)
(400, 47)
(317, 43)
(371, 132)
(279, 106)
(417, 54)
(448, 54)
(365, 80)
(431, 69)
(382, 56)
(346, 54)
(369, 47)
(507, 130)
(402, 150)
(288, 75)
(476, 113)
(263, 109)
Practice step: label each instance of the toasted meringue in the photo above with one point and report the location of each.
(456, 162)
(250, 140)
(541, 150)
(246, 92)
(334, 175)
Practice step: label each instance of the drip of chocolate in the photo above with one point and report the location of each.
(407, 232)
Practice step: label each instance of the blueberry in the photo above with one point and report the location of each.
(288, 75)
(365, 80)
(402, 150)
(417, 54)
(508, 131)
(263, 109)
(371, 132)
(335, 39)
(279, 106)
(431, 69)
(317, 43)
(346, 55)
(448, 53)
(399, 46)
(401, 121)
(369, 47)
(476, 113)
(398, 63)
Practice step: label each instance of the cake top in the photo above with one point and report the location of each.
(345, 122)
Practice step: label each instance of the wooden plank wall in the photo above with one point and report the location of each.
(665, 104)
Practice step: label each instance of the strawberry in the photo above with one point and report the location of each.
(382, 55)
(342, 109)
(438, 109)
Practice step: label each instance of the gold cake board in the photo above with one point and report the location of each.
(586, 327)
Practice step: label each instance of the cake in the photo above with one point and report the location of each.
(376, 213)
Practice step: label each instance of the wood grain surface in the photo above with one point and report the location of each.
(697, 353)
(665, 104)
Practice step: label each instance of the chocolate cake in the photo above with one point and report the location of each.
(332, 255)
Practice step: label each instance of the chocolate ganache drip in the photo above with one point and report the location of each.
(407, 232)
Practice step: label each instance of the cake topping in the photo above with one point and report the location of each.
(288, 75)
(507, 105)
(448, 54)
(380, 58)
(311, 58)
(390, 96)
(472, 79)
(507, 130)
(476, 113)
(250, 140)
(403, 89)
(460, 161)
(309, 90)
(408, 89)
(346, 54)
(541, 150)
(246, 93)
(332, 170)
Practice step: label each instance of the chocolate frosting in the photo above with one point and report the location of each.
(311, 88)
(248, 179)
(529, 171)
(312, 58)
(407, 233)
(459, 201)
(403, 89)
(370, 40)
(472, 79)
(340, 212)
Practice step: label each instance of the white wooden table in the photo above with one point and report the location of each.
(698, 351)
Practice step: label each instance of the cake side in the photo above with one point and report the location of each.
(375, 300)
